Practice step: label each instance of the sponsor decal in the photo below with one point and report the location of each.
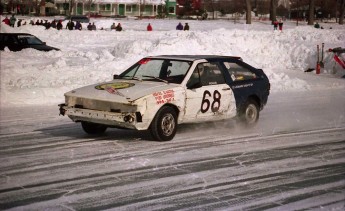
(242, 86)
(164, 96)
(112, 88)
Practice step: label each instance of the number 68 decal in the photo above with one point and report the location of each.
(206, 103)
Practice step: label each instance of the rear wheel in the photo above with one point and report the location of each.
(93, 128)
(164, 125)
(249, 113)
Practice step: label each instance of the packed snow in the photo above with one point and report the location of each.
(32, 77)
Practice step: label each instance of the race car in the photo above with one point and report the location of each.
(159, 92)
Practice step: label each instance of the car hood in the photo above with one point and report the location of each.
(121, 91)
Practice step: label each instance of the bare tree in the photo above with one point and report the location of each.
(248, 12)
(89, 3)
(311, 12)
(71, 6)
(342, 11)
(273, 10)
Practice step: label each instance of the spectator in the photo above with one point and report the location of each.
(59, 25)
(47, 25)
(179, 26)
(89, 27)
(317, 26)
(12, 20)
(78, 26)
(149, 27)
(6, 21)
(93, 27)
(280, 25)
(53, 24)
(32, 22)
(113, 27)
(186, 27)
(118, 27)
(70, 25)
(37, 22)
(275, 25)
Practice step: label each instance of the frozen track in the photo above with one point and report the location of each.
(293, 159)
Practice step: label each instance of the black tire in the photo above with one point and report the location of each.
(164, 125)
(93, 128)
(249, 113)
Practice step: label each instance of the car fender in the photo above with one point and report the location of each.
(149, 105)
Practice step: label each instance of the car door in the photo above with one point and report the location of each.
(208, 97)
(14, 44)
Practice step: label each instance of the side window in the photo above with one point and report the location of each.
(239, 73)
(206, 74)
(214, 74)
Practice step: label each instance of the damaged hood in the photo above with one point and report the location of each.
(121, 91)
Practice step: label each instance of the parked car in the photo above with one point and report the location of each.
(20, 41)
(160, 92)
(80, 18)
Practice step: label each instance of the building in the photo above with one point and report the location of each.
(110, 8)
(142, 8)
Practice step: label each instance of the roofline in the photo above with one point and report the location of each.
(195, 57)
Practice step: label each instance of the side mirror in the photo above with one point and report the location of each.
(44, 43)
(115, 76)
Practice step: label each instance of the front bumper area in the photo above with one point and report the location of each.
(129, 120)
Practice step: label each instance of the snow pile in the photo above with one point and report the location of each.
(87, 57)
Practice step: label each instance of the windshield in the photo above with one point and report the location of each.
(170, 71)
(29, 39)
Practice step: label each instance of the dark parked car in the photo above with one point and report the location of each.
(80, 18)
(19, 41)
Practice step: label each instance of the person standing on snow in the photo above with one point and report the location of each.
(149, 27)
(275, 25)
(179, 26)
(317, 26)
(59, 25)
(113, 26)
(186, 27)
(93, 26)
(78, 26)
(280, 25)
(6, 21)
(70, 25)
(118, 27)
(12, 21)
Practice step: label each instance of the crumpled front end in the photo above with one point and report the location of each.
(112, 114)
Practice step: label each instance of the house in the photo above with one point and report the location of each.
(138, 8)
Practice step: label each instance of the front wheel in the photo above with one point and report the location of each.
(249, 113)
(93, 128)
(164, 125)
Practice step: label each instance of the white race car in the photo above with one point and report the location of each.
(160, 92)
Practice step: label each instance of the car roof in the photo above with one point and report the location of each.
(194, 57)
(17, 34)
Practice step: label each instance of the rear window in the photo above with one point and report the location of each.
(238, 72)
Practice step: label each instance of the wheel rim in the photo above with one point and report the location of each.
(251, 114)
(168, 124)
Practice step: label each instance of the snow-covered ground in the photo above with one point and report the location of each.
(31, 77)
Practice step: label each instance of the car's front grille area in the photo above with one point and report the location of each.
(99, 105)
